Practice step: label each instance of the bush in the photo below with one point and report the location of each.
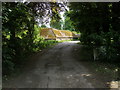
(7, 60)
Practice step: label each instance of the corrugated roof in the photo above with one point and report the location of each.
(66, 33)
(57, 33)
(47, 33)
(53, 33)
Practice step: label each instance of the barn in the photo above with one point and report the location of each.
(55, 34)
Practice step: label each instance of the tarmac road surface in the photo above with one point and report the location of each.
(56, 68)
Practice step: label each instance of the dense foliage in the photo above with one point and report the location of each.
(20, 32)
(99, 24)
(68, 23)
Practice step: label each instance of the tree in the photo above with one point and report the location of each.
(68, 24)
(19, 30)
(98, 24)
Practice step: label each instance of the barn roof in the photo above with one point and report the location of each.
(66, 33)
(47, 33)
(57, 33)
(53, 33)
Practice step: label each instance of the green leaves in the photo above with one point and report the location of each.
(20, 33)
(99, 25)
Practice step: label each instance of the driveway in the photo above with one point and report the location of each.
(57, 67)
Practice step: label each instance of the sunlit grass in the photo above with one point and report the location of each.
(86, 75)
(113, 84)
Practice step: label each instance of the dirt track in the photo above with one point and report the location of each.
(56, 68)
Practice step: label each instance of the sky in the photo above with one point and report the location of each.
(49, 19)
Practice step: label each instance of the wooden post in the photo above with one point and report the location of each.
(95, 53)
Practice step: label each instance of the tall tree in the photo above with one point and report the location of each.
(98, 24)
(18, 29)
